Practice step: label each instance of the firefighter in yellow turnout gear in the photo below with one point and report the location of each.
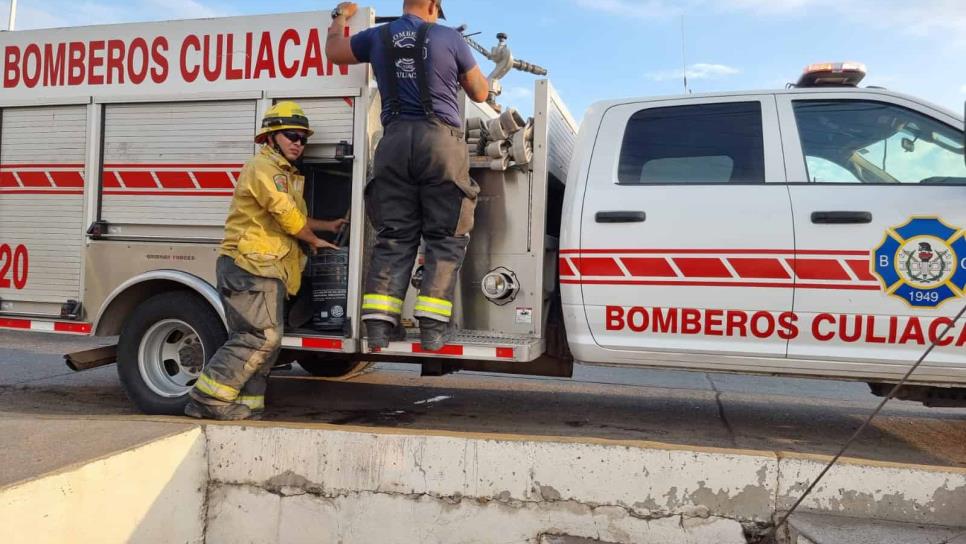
(260, 263)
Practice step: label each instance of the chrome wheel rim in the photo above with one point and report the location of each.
(162, 358)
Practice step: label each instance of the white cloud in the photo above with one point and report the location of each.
(696, 71)
(184, 9)
(517, 93)
(769, 6)
(919, 18)
(963, 89)
(61, 13)
(640, 9)
(519, 97)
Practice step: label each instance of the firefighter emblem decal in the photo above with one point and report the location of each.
(281, 183)
(923, 262)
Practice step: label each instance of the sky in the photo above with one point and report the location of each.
(605, 49)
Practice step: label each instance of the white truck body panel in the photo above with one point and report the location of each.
(274, 53)
(673, 259)
(167, 137)
(43, 155)
(813, 288)
(96, 123)
(173, 163)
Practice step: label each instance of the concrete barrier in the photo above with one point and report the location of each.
(153, 493)
(460, 487)
(269, 483)
(870, 490)
(517, 489)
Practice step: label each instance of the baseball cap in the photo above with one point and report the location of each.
(439, 6)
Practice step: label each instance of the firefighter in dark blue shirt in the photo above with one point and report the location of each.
(421, 186)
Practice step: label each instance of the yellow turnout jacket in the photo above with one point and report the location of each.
(266, 212)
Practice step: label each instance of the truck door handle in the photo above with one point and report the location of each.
(841, 218)
(621, 217)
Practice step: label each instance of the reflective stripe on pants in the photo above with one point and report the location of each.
(254, 402)
(381, 308)
(434, 308)
(209, 386)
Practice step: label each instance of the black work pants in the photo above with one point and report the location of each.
(421, 188)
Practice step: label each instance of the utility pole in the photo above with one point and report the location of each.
(12, 22)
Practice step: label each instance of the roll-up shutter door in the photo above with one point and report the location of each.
(331, 120)
(42, 177)
(170, 168)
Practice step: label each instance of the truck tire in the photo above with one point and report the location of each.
(165, 343)
(932, 397)
(331, 366)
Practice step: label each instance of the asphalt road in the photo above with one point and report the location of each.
(690, 409)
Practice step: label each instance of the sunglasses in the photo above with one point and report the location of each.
(294, 136)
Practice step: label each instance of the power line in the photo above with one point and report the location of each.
(892, 394)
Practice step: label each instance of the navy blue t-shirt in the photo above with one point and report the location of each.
(448, 58)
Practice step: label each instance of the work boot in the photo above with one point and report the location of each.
(381, 333)
(228, 412)
(434, 334)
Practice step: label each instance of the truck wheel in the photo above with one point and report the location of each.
(331, 366)
(164, 345)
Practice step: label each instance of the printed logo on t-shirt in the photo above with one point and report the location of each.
(406, 68)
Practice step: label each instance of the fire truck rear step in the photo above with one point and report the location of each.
(470, 344)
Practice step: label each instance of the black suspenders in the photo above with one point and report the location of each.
(416, 55)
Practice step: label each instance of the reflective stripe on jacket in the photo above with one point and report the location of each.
(266, 213)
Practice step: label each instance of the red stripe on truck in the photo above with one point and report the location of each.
(649, 267)
(175, 180)
(597, 266)
(7, 179)
(111, 180)
(168, 192)
(65, 327)
(138, 179)
(715, 251)
(819, 269)
(34, 179)
(456, 350)
(861, 269)
(322, 343)
(702, 268)
(51, 191)
(80, 328)
(566, 269)
(698, 283)
(766, 269)
(14, 323)
(215, 180)
(73, 180)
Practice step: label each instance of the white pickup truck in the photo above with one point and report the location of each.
(815, 231)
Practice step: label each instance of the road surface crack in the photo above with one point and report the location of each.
(721, 411)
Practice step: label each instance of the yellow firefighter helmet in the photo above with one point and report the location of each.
(283, 116)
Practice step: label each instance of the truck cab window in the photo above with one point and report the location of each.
(874, 142)
(704, 144)
(825, 171)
